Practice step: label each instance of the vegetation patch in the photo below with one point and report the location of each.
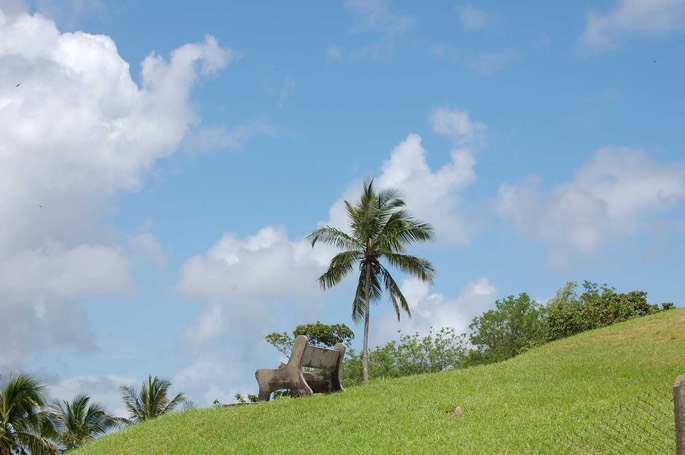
(569, 396)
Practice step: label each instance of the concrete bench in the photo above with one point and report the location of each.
(301, 383)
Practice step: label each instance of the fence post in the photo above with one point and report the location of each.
(679, 408)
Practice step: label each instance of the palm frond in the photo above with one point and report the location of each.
(413, 265)
(341, 265)
(36, 443)
(402, 230)
(178, 400)
(333, 236)
(396, 296)
(359, 302)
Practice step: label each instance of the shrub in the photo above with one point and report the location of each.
(411, 354)
(598, 306)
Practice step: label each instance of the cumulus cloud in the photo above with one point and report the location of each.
(435, 310)
(609, 198)
(75, 130)
(458, 126)
(473, 18)
(249, 287)
(145, 247)
(604, 30)
(435, 195)
(432, 195)
(264, 265)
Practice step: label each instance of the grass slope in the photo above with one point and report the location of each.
(570, 396)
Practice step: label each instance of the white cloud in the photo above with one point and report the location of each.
(103, 389)
(221, 379)
(433, 196)
(435, 310)
(489, 63)
(75, 130)
(609, 199)
(145, 247)
(604, 30)
(203, 140)
(457, 125)
(474, 18)
(12, 7)
(265, 265)
(378, 17)
(64, 273)
(249, 287)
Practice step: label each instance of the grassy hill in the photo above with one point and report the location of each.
(605, 391)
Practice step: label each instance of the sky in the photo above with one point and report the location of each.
(161, 164)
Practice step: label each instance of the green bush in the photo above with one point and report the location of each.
(411, 354)
(515, 325)
(598, 306)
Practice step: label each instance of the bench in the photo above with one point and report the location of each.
(301, 383)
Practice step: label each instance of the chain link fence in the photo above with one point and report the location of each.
(641, 426)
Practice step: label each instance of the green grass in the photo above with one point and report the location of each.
(577, 395)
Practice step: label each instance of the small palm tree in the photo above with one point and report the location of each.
(151, 401)
(380, 228)
(79, 422)
(24, 427)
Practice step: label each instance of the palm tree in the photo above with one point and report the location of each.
(79, 422)
(151, 401)
(24, 427)
(380, 228)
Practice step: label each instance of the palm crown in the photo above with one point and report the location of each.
(79, 421)
(151, 401)
(24, 427)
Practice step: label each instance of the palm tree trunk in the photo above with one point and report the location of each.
(365, 353)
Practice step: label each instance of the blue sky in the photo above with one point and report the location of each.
(162, 162)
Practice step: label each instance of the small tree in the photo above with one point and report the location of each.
(319, 334)
(151, 401)
(380, 231)
(24, 427)
(516, 324)
(79, 421)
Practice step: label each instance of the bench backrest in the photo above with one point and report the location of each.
(315, 357)
(306, 355)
